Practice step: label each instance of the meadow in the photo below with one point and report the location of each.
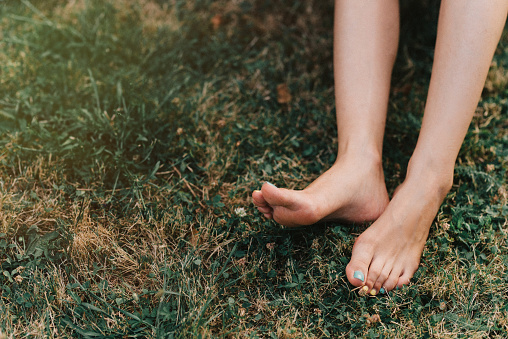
(132, 133)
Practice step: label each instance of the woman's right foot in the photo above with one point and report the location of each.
(352, 190)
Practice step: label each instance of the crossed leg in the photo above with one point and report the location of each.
(387, 254)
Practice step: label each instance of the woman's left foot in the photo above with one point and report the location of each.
(388, 253)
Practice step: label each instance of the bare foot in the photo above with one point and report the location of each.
(388, 253)
(352, 190)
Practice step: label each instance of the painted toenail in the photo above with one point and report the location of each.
(269, 183)
(382, 290)
(365, 288)
(373, 292)
(359, 275)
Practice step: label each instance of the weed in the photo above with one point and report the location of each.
(132, 133)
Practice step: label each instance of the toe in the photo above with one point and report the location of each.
(379, 285)
(375, 269)
(274, 196)
(355, 273)
(391, 282)
(358, 267)
(268, 215)
(265, 209)
(405, 278)
(258, 199)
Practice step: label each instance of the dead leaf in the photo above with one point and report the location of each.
(283, 95)
(373, 319)
(404, 89)
(216, 21)
(194, 237)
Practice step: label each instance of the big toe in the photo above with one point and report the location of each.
(358, 267)
(275, 196)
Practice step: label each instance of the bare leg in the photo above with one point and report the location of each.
(353, 189)
(388, 253)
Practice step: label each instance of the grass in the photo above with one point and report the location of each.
(131, 136)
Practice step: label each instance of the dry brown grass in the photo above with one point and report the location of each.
(223, 271)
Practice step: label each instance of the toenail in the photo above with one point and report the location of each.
(269, 183)
(359, 275)
(373, 292)
(382, 290)
(365, 288)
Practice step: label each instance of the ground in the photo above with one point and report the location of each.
(132, 134)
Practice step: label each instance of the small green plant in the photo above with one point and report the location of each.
(132, 134)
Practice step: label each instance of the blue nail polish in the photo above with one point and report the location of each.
(269, 183)
(382, 290)
(359, 275)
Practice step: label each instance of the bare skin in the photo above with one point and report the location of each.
(362, 197)
(468, 33)
(365, 47)
(388, 253)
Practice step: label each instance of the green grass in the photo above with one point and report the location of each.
(132, 133)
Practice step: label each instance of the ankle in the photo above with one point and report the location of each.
(436, 178)
(368, 155)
